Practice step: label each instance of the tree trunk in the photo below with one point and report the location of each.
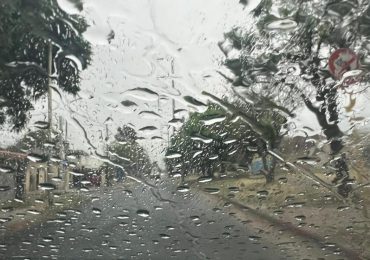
(269, 173)
(223, 168)
(270, 177)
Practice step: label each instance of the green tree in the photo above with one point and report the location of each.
(211, 140)
(26, 28)
(285, 54)
(37, 143)
(127, 152)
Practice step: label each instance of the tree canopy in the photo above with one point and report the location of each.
(284, 56)
(26, 28)
(211, 140)
(127, 152)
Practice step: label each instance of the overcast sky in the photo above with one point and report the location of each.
(148, 36)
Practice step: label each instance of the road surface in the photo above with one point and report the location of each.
(138, 222)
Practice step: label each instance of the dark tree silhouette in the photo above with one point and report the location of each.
(26, 28)
(284, 55)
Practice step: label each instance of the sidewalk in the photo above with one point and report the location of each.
(17, 216)
(20, 215)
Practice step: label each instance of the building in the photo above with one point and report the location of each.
(11, 174)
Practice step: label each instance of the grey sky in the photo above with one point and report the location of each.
(148, 35)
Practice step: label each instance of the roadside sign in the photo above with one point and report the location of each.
(341, 61)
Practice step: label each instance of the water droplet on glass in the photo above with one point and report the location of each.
(284, 24)
(149, 115)
(194, 102)
(204, 179)
(210, 120)
(122, 217)
(342, 208)
(143, 94)
(262, 193)
(5, 169)
(143, 213)
(234, 189)
(47, 186)
(164, 236)
(300, 217)
(96, 211)
(183, 189)
(173, 155)
(4, 188)
(254, 238)
(34, 158)
(212, 190)
(33, 212)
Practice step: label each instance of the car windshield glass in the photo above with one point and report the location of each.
(184, 129)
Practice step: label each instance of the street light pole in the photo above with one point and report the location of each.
(50, 115)
(50, 97)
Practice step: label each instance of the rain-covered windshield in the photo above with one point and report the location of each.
(184, 129)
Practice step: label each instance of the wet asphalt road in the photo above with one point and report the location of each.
(137, 222)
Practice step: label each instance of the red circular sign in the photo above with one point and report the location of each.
(341, 61)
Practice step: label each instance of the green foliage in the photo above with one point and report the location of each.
(126, 134)
(26, 27)
(38, 142)
(213, 139)
(126, 151)
(283, 57)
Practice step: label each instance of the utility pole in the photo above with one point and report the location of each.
(105, 179)
(173, 86)
(106, 139)
(49, 194)
(173, 100)
(50, 97)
